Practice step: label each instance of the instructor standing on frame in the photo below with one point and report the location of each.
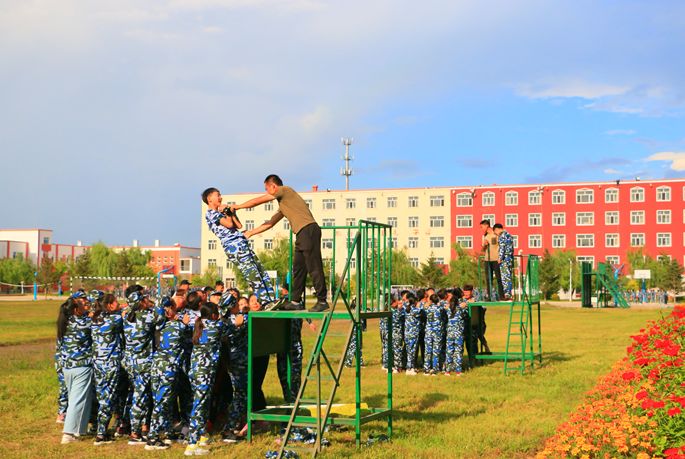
(307, 254)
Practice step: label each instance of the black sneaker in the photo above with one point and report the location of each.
(293, 306)
(102, 440)
(320, 306)
(277, 305)
(154, 445)
(229, 437)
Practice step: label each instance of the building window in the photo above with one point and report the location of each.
(534, 219)
(437, 242)
(488, 199)
(328, 222)
(464, 221)
(413, 201)
(611, 218)
(392, 202)
(268, 244)
(185, 265)
(249, 224)
(637, 194)
(534, 198)
(558, 197)
(535, 241)
(269, 206)
(437, 222)
(637, 239)
(439, 261)
(558, 241)
(611, 240)
(585, 218)
(309, 203)
(490, 218)
(464, 200)
(613, 259)
(370, 203)
(353, 263)
(437, 201)
(326, 244)
(286, 224)
(350, 203)
(585, 196)
(466, 242)
(46, 240)
(637, 217)
(211, 244)
(663, 217)
(350, 222)
(586, 259)
(511, 220)
(328, 204)
(211, 262)
(414, 262)
(663, 239)
(372, 219)
(516, 240)
(611, 195)
(663, 193)
(585, 240)
(413, 242)
(392, 221)
(559, 219)
(413, 222)
(511, 198)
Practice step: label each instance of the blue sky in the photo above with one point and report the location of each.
(116, 114)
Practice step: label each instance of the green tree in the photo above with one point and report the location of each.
(209, 277)
(16, 270)
(103, 260)
(549, 274)
(463, 268)
(432, 274)
(403, 273)
(674, 277)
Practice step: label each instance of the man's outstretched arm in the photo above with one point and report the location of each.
(254, 202)
(278, 216)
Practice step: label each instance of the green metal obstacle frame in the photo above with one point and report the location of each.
(606, 287)
(523, 325)
(363, 295)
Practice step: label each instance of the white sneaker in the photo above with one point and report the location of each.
(411, 372)
(68, 438)
(195, 450)
(395, 371)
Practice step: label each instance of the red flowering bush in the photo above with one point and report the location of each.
(637, 409)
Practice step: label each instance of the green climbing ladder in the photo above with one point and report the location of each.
(520, 351)
(370, 248)
(607, 286)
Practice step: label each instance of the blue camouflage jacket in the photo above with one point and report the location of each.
(76, 344)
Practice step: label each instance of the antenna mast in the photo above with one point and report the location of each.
(346, 171)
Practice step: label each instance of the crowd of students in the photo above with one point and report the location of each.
(167, 370)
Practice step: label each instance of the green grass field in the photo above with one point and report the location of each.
(482, 414)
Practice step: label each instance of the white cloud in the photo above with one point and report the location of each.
(620, 132)
(676, 158)
(612, 171)
(571, 88)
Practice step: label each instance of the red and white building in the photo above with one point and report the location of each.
(35, 245)
(181, 260)
(598, 220)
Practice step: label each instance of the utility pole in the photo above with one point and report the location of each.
(346, 171)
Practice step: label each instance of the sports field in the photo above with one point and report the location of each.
(482, 414)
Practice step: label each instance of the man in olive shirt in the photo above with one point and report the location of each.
(307, 254)
(491, 253)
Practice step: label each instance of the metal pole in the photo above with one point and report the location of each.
(570, 281)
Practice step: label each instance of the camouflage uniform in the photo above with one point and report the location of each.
(203, 364)
(183, 388)
(76, 346)
(139, 336)
(352, 350)
(290, 388)
(63, 397)
(383, 328)
(443, 333)
(455, 339)
(166, 365)
(237, 369)
(412, 322)
(107, 352)
(433, 338)
(77, 365)
(238, 251)
(506, 256)
(398, 318)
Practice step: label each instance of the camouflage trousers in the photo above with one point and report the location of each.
(411, 340)
(383, 328)
(455, 348)
(240, 253)
(164, 376)
(352, 350)
(432, 346)
(63, 396)
(237, 413)
(140, 403)
(507, 269)
(201, 382)
(398, 345)
(106, 381)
